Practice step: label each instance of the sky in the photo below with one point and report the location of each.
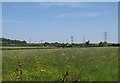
(60, 0)
(58, 21)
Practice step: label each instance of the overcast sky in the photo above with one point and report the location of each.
(53, 22)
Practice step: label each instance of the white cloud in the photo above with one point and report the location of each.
(62, 4)
(84, 8)
(82, 14)
(73, 4)
(12, 21)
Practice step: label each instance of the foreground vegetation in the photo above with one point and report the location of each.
(97, 64)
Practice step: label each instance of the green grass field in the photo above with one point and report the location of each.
(87, 64)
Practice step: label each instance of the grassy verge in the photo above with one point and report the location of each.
(97, 64)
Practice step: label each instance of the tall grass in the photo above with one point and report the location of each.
(97, 64)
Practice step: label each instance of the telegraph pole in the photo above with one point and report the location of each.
(83, 39)
(41, 42)
(29, 40)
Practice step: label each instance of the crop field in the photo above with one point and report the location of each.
(85, 64)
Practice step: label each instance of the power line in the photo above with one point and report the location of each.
(41, 42)
(105, 36)
(72, 40)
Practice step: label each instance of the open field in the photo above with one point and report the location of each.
(98, 64)
(24, 47)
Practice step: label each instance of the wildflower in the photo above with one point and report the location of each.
(42, 70)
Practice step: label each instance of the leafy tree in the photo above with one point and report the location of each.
(101, 44)
(87, 43)
(7, 42)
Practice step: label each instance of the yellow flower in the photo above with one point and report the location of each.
(42, 70)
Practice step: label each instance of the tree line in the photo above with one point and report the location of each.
(9, 42)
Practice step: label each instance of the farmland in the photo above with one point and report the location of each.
(87, 64)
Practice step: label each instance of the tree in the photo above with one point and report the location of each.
(87, 43)
(7, 42)
(101, 44)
